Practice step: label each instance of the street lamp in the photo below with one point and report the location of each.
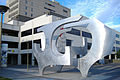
(3, 9)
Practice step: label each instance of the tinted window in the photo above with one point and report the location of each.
(49, 9)
(117, 42)
(86, 34)
(11, 44)
(74, 31)
(26, 33)
(113, 49)
(9, 32)
(68, 42)
(26, 45)
(117, 48)
(38, 42)
(89, 45)
(117, 35)
(36, 30)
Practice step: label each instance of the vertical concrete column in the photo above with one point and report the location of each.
(19, 59)
(19, 45)
(109, 57)
(33, 60)
(115, 56)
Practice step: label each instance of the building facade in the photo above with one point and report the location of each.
(26, 16)
(20, 37)
(24, 10)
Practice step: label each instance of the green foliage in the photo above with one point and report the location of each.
(1, 78)
(118, 54)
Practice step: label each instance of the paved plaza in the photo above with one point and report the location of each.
(97, 72)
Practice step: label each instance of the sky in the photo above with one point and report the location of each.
(107, 11)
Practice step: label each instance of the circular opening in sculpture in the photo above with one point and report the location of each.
(79, 39)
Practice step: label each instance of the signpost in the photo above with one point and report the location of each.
(3, 9)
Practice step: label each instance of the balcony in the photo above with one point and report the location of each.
(13, 51)
(10, 38)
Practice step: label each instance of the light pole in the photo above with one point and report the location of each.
(3, 9)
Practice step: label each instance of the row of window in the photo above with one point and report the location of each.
(9, 32)
(27, 14)
(27, 8)
(13, 14)
(73, 31)
(29, 32)
(49, 4)
(54, 6)
(11, 44)
(49, 9)
(26, 33)
(117, 49)
(28, 45)
(26, 1)
(14, 2)
(117, 36)
(65, 11)
(15, 7)
(77, 32)
(117, 42)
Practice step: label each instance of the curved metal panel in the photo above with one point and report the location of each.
(102, 43)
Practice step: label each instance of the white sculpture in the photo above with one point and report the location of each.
(102, 44)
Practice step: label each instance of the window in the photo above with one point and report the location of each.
(31, 15)
(10, 32)
(117, 48)
(36, 30)
(26, 33)
(11, 44)
(86, 34)
(89, 45)
(74, 31)
(26, 1)
(113, 49)
(38, 42)
(68, 42)
(26, 7)
(49, 9)
(25, 13)
(31, 3)
(117, 35)
(117, 42)
(65, 11)
(49, 4)
(26, 45)
(32, 9)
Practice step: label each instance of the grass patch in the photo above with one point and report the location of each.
(1, 78)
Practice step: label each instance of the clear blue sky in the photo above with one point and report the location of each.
(107, 11)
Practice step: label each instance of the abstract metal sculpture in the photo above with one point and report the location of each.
(102, 44)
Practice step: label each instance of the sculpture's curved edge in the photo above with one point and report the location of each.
(83, 61)
(87, 61)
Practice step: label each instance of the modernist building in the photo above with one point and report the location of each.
(24, 35)
(24, 10)
(26, 16)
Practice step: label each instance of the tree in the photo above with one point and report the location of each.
(118, 54)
